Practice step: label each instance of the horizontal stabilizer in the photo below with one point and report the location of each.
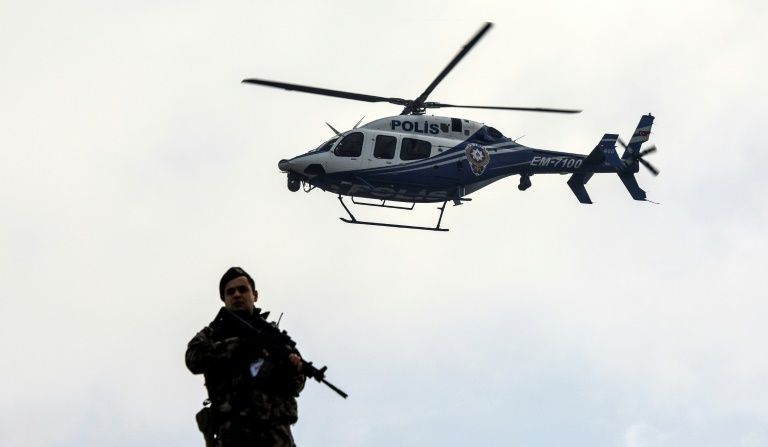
(603, 153)
(577, 182)
(631, 183)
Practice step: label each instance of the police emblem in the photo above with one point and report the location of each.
(478, 157)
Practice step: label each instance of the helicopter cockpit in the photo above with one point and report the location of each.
(325, 147)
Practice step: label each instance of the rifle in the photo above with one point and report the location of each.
(279, 343)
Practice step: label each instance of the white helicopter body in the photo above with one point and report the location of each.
(419, 158)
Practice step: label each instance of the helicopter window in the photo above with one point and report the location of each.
(494, 133)
(350, 146)
(385, 147)
(456, 124)
(325, 147)
(444, 127)
(413, 149)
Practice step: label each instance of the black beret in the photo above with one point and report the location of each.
(229, 275)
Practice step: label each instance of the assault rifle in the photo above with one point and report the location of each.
(279, 343)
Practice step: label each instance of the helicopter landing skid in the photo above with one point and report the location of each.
(383, 204)
(352, 219)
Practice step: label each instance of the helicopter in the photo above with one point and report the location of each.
(418, 158)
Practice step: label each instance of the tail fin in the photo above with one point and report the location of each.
(641, 135)
(630, 183)
(632, 155)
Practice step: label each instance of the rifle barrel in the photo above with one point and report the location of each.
(333, 387)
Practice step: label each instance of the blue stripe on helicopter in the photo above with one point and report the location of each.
(431, 172)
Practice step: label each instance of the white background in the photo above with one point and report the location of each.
(135, 168)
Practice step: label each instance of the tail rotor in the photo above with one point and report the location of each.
(637, 156)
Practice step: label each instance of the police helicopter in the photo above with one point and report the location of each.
(417, 158)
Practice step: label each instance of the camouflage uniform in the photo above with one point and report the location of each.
(253, 396)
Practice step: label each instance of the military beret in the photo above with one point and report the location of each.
(229, 275)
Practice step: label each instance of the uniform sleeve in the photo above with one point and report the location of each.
(298, 384)
(203, 352)
(295, 380)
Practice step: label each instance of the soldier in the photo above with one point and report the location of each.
(252, 393)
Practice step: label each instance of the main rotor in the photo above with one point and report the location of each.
(416, 106)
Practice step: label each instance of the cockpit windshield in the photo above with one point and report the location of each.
(325, 147)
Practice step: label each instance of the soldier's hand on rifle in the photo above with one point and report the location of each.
(296, 361)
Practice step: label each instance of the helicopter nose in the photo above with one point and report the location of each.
(284, 165)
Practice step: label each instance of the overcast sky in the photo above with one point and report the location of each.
(135, 168)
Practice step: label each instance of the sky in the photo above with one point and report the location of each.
(135, 168)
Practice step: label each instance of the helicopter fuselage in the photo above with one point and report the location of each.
(413, 157)
(417, 158)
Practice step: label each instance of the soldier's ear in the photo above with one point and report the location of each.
(255, 295)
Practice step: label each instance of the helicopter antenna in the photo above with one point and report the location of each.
(334, 130)
(278, 320)
(358, 123)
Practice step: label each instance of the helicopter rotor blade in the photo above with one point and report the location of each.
(650, 150)
(638, 157)
(650, 167)
(326, 92)
(411, 106)
(437, 105)
(418, 102)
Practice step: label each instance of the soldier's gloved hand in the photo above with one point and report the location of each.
(295, 360)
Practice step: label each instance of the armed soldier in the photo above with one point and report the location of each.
(252, 378)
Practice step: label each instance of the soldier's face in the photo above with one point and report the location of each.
(239, 296)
